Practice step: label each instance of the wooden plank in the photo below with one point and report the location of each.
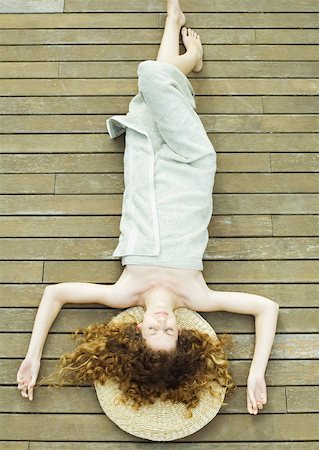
(286, 36)
(97, 427)
(155, 20)
(242, 69)
(80, 226)
(234, 86)
(97, 52)
(62, 143)
(81, 20)
(31, 6)
(29, 70)
(260, 248)
(265, 203)
(27, 183)
(62, 163)
(120, 105)
(286, 295)
(224, 183)
(251, 20)
(21, 272)
(258, 271)
(83, 400)
(108, 226)
(267, 183)
(101, 204)
(299, 320)
(303, 105)
(86, 123)
(286, 346)
(100, 143)
(153, 36)
(300, 162)
(295, 225)
(279, 372)
(111, 69)
(125, 36)
(224, 249)
(214, 271)
(189, 6)
(263, 142)
(15, 445)
(302, 399)
(105, 163)
(168, 446)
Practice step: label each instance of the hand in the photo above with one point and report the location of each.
(256, 393)
(27, 376)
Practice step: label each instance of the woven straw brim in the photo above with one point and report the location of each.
(162, 421)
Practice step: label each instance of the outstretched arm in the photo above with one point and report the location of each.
(54, 297)
(266, 314)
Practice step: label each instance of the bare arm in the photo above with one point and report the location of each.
(265, 312)
(54, 297)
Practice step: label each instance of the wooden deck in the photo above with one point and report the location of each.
(68, 65)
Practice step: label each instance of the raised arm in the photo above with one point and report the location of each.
(265, 312)
(54, 297)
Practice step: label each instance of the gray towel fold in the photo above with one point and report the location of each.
(169, 171)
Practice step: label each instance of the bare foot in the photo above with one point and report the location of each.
(192, 40)
(174, 11)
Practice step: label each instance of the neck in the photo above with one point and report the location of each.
(160, 299)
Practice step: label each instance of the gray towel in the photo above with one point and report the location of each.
(169, 171)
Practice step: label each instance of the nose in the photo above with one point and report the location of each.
(161, 320)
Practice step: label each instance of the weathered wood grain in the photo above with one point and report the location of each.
(286, 295)
(119, 105)
(167, 446)
(83, 401)
(302, 399)
(286, 346)
(86, 123)
(124, 36)
(31, 6)
(155, 20)
(214, 271)
(290, 320)
(269, 182)
(113, 183)
(101, 143)
(301, 162)
(26, 183)
(112, 163)
(98, 86)
(278, 248)
(14, 445)
(21, 272)
(189, 6)
(99, 428)
(153, 36)
(295, 225)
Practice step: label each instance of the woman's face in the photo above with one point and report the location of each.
(160, 330)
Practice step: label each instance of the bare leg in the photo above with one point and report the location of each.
(169, 48)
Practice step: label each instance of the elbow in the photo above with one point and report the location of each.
(53, 294)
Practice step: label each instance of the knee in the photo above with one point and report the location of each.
(150, 76)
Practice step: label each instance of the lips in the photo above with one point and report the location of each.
(161, 313)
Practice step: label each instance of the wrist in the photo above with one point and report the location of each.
(34, 356)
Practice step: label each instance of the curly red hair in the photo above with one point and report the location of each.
(118, 351)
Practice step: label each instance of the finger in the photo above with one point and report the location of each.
(259, 405)
(30, 390)
(253, 400)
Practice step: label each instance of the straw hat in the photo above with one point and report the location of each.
(162, 421)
